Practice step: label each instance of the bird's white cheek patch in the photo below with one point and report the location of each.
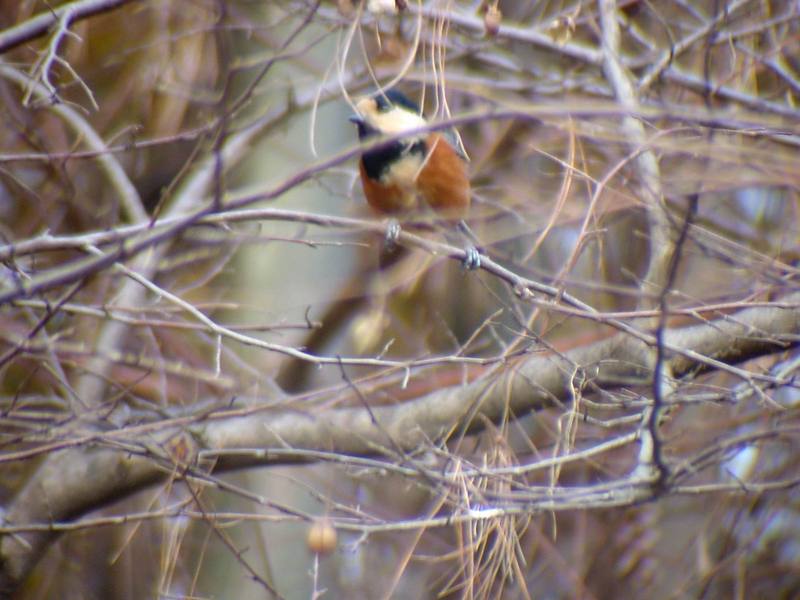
(395, 121)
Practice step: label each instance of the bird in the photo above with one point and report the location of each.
(414, 174)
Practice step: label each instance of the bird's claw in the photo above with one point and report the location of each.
(393, 230)
(472, 258)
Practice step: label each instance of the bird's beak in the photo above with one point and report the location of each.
(355, 119)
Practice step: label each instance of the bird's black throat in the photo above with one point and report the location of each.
(377, 162)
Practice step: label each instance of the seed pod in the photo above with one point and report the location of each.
(321, 538)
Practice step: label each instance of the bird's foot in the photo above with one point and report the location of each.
(472, 258)
(393, 230)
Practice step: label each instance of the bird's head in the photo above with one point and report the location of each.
(386, 113)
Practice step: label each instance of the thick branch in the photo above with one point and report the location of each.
(38, 25)
(79, 480)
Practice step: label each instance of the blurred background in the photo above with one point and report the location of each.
(151, 110)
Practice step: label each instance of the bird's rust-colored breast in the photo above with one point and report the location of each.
(389, 199)
(444, 180)
(442, 183)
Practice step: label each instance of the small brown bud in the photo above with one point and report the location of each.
(346, 8)
(492, 19)
(321, 538)
(379, 7)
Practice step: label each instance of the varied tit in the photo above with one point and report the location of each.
(415, 172)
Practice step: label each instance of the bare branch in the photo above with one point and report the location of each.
(38, 25)
(76, 481)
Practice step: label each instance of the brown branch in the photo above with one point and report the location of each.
(80, 479)
(155, 235)
(38, 25)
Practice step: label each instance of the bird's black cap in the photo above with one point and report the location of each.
(389, 98)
